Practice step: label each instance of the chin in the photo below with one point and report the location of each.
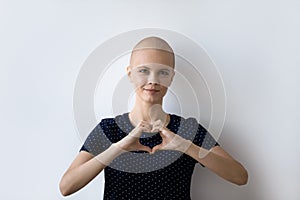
(152, 100)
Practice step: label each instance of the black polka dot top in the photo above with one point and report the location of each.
(138, 175)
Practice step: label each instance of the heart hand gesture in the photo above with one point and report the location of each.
(131, 141)
(171, 141)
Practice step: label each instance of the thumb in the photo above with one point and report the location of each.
(144, 148)
(156, 148)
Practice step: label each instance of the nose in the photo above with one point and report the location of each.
(153, 79)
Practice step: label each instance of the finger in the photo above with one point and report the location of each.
(156, 128)
(144, 148)
(145, 126)
(142, 122)
(164, 131)
(156, 148)
(162, 135)
(157, 122)
(137, 131)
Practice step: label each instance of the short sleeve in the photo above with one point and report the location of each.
(204, 139)
(96, 142)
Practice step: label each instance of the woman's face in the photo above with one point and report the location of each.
(151, 72)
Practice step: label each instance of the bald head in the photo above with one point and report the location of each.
(153, 44)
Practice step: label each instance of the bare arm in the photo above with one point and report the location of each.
(217, 159)
(86, 167)
(220, 162)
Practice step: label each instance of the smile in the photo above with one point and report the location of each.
(151, 91)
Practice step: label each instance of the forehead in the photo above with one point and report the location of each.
(153, 56)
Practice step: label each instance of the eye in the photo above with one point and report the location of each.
(143, 70)
(164, 72)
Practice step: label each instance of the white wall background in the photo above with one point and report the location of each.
(255, 45)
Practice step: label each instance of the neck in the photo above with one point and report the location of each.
(148, 112)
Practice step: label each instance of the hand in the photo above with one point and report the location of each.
(171, 141)
(131, 141)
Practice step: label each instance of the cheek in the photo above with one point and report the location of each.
(164, 89)
(166, 83)
(139, 81)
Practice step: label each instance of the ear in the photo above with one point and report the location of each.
(173, 74)
(128, 71)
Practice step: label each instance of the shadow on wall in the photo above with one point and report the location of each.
(206, 185)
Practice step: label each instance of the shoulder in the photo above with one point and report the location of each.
(107, 122)
(111, 122)
(186, 126)
(115, 124)
(191, 129)
(185, 121)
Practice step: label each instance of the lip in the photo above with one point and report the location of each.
(151, 91)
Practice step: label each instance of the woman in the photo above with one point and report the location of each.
(147, 153)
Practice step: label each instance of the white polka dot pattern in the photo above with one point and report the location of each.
(139, 175)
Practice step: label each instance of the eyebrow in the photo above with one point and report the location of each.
(143, 66)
